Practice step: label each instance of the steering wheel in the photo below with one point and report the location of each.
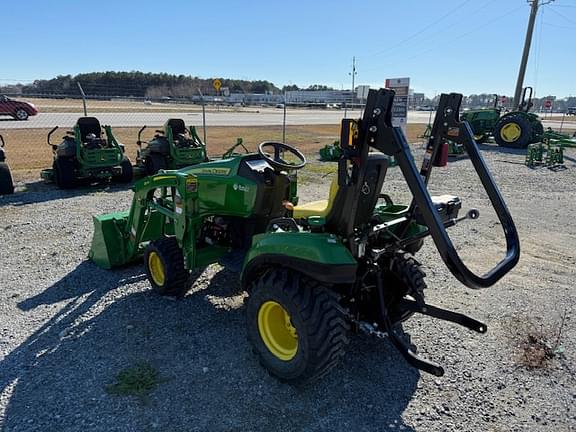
(277, 161)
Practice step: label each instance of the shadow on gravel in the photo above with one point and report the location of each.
(56, 379)
(495, 148)
(38, 192)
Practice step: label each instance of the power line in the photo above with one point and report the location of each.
(441, 43)
(559, 26)
(419, 32)
(563, 16)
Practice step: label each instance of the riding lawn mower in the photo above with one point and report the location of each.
(172, 147)
(316, 272)
(84, 155)
(6, 182)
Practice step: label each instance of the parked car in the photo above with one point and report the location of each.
(19, 110)
(571, 111)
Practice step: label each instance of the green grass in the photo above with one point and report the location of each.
(138, 380)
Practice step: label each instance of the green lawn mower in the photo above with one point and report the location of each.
(6, 181)
(84, 155)
(316, 272)
(515, 129)
(173, 147)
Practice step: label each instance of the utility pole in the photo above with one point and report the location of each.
(535, 4)
(353, 76)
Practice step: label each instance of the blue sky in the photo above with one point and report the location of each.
(468, 46)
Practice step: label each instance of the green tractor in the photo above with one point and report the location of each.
(317, 272)
(6, 182)
(515, 129)
(84, 155)
(173, 147)
(483, 121)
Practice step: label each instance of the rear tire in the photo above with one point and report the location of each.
(64, 173)
(6, 182)
(513, 131)
(154, 162)
(296, 326)
(164, 263)
(127, 171)
(404, 278)
(21, 114)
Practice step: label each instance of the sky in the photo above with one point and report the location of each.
(465, 46)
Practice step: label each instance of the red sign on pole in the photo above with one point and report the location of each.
(548, 103)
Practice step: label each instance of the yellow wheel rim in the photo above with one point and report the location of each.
(510, 132)
(156, 268)
(277, 331)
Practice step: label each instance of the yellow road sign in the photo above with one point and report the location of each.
(217, 84)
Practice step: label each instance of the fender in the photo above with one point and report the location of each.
(318, 255)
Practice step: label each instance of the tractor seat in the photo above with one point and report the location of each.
(317, 208)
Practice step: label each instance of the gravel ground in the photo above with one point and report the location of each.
(68, 327)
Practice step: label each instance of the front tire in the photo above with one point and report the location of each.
(296, 326)
(164, 264)
(154, 162)
(64, 173)
(127, 171)
(6, 182)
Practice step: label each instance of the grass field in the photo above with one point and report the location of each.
(28, 152)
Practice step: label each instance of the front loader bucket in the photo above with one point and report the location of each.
(109, 242)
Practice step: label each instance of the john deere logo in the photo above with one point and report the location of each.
(215, 171)
(239, 187)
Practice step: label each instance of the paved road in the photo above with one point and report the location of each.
(263, 117)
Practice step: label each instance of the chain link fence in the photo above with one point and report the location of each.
(26, 120)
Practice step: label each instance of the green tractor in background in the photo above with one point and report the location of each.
(515, 129)
(88, 153)
(330, 152)
(6, 181)
(482, 121)
(173, 147)
(317, 272)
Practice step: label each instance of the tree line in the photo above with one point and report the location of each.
(142, 84)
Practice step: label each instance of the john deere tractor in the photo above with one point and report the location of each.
(173, 147)
(515, 129)
(317, 272)
(87, 153)
(6, 182)
(482, 121)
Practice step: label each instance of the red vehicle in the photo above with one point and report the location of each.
(19, 110)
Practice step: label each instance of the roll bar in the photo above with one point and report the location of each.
(50, 134)
(390, 140)
(139, 141)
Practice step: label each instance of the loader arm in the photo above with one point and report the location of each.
(159, 207)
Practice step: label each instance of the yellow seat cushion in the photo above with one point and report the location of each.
(317, 208)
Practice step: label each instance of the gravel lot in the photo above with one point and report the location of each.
(68, 327)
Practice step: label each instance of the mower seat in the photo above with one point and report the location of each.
(317, 208)
(87, 126)
(178, 127)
